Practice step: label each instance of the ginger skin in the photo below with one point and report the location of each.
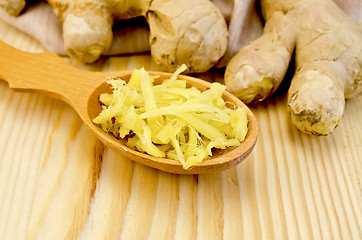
(192, 32)
(328, 59)
(13, 7)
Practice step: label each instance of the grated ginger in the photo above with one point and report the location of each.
(170, 120)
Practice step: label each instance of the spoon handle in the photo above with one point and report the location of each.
(40, 72)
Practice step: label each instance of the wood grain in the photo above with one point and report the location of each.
(292, 186)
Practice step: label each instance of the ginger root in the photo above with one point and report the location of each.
(328, 61)
(189, 32)
(13, 7)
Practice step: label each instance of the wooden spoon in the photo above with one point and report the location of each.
(47, 73)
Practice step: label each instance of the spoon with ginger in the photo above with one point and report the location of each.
(47, 73)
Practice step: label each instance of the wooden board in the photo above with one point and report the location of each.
(58, 182)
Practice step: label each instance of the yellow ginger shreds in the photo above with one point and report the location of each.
(148, 145)
(134, 81)
(178, 71)
(187, 108)
(198, 156)
(211, 94)
(169, 131)
(179, 153)
(169, 119)
(202, 127)
(239, 123)
(163, 92)
(221, 144)
(174, 83)
(106, 98)
(155, 123)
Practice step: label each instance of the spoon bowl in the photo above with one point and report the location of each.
(47, 73)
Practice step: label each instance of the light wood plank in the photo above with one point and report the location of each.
(186, 221)
(233, 227)
(67, 180)
(108, 205)
(210, 224)
(166, 205)
(140, 208)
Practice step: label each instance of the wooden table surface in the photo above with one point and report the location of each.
(57, 181)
